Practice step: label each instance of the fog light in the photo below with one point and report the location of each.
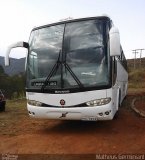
(107, 113)
(100, 114)
(31, 113)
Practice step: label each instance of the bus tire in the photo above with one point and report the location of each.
(117, 112)
(116, 115)
(119, 98)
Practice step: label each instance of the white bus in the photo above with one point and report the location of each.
(75, 70)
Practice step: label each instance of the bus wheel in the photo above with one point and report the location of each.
(119, 98)
(116, 115)
(117, 112)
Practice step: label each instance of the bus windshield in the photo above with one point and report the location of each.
(68, 56)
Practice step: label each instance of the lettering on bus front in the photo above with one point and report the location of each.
(50, 83)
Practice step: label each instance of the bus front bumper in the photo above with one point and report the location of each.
(95, 113)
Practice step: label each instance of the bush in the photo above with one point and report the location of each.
(137, 78)
(137, 75)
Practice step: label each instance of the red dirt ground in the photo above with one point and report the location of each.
(124, 135)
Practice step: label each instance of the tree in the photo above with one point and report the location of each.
(14, 86)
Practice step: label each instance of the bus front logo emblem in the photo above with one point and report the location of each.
(62, 102)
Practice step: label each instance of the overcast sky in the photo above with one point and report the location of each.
(18, 17)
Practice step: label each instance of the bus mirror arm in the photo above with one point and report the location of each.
(114, 41)
(15, 45)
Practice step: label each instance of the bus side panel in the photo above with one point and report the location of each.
(122, 80)
(113, 93)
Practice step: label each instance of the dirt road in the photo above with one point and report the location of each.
(20, 134)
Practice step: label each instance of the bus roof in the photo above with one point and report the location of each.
(74, 20)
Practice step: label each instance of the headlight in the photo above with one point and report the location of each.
(34, 103)
(98, 102)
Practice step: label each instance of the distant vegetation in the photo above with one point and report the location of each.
(137, 78)
(136, 64)
(136, 70)
(12, 86)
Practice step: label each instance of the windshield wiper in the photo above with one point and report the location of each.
(73, 75)
(52, 72)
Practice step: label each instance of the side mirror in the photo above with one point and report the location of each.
(15, 45)
(114, 42)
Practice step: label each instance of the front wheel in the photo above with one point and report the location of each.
(117, 112)
(119, 99)
(116, 115)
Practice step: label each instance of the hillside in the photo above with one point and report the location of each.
(136, 64)
(17, 66)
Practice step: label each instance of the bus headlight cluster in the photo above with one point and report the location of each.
(34, 103)
(98, 102)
